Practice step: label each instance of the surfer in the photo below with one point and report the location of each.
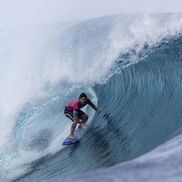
(73, 112)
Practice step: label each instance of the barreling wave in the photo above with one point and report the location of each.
(142, 110)
(137, 85)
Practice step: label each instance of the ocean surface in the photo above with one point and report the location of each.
(129, 65)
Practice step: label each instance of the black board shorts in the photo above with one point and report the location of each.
(69, 114)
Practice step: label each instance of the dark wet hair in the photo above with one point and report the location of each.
(82, 95)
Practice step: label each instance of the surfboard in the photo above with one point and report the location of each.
(77, 134)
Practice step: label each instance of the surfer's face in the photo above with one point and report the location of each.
(83, 100)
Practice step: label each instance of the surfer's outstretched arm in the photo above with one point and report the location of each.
(94, 107)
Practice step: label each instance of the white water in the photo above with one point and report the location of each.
(37, 63)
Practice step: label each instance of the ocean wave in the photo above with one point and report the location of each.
(130, 65)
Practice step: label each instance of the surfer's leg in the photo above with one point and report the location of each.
(81, 119)
(83, 116)
(73, 126)
(84, 119)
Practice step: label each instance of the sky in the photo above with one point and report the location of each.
(13, 12)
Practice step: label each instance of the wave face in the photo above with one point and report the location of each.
(130, 65)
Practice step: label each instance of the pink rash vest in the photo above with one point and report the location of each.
(75, 105)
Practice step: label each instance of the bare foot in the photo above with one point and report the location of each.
(72, 137)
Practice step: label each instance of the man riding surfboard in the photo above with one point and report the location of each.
(73, 112)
